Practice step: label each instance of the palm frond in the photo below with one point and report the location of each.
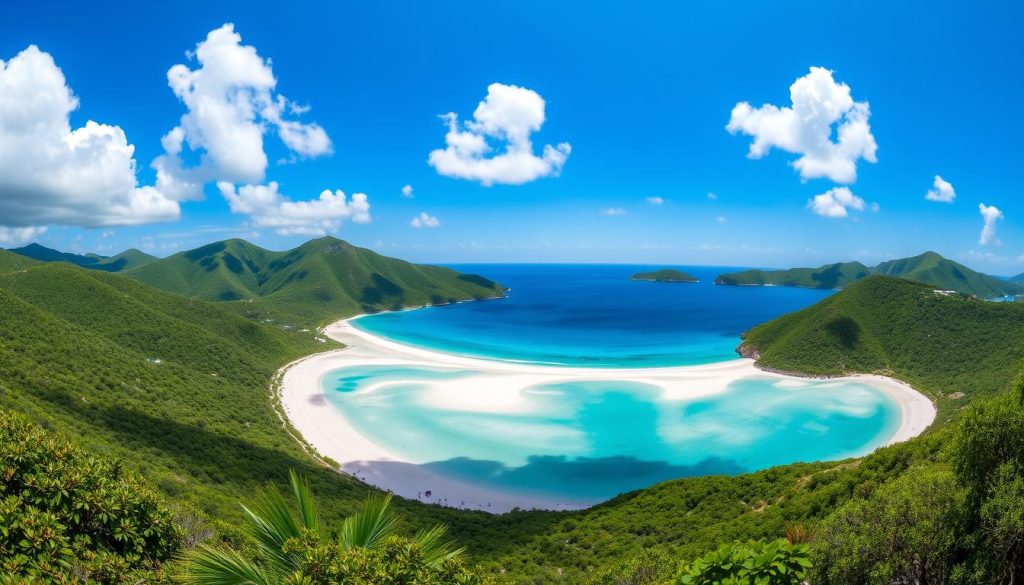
(210, 566)
(368, 527)
(272, 524)
(435, 547)
(304, 499)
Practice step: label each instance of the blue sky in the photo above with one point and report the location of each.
(642, 94)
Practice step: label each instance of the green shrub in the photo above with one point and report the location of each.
(752, 563)
(65, 515)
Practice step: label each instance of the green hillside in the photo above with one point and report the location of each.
(319, 281)
(835, 275)
(664, 275)
(929, 268)
(938, 342)
(125, 260)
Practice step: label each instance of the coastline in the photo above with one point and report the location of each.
(326, 430)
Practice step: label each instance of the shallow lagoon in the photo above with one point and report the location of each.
(586, 441)
(590, 440)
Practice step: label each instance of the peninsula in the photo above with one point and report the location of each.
(928, 268)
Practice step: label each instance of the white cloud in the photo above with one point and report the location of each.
(835, 202)
(53, 174)
(407, 192)
(820, 108)
(508, 115)
(20, 235)
(987, 257)
(230, 104)
(107, 234)
(989, 214)
(655, 200)
(721, 219)
(613, 211)
(712, 196)
(267, 207)
(941, 191)
(424, 220)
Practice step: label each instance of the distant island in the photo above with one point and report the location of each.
(664, 275)
(929, 268)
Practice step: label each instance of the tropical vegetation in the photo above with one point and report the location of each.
(291, 545)
(65, 512)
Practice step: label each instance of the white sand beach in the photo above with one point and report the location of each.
(326, 429)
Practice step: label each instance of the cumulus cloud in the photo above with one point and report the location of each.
(231, 104)
(819, 109)
(835, 203)
(20, 235)
(267, 207)
(655, 200)
(424, 220)
(53, 174)
(506, 117)
(407, 192)
(989, 214)
(941, 191)
(613, 211)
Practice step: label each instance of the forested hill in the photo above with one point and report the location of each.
(940, 343)
(835, 275)
(125, 260)
(318, 281)
(929, 268)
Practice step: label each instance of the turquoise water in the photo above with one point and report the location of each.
(588, 441)
(593, 315)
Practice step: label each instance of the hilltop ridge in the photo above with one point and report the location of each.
(320, 280)
(131, 258)
(928, 268)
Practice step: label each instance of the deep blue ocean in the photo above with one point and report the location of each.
(593, 315)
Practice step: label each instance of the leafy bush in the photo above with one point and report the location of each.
(752, 563)
(65, 515)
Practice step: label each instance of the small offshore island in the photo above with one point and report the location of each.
(665, 275)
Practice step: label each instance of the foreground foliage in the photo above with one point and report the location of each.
(752, 563)
(297, 549)
(66, 516)
(958, 520)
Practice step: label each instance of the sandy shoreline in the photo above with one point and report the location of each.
(326, 429)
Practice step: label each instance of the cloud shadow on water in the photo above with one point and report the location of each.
(582, 478)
